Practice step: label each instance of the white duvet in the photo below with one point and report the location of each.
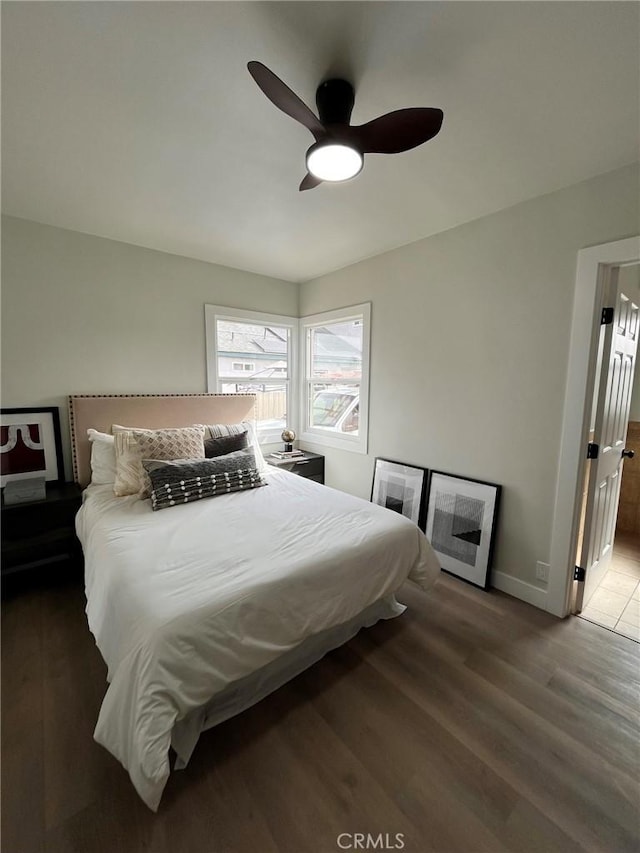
(185, 601)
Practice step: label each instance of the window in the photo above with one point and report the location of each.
(336, 378)
(252, 353)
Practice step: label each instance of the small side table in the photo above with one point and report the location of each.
(38, 533)
(309, 465)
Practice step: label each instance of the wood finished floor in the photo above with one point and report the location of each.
(472, 723)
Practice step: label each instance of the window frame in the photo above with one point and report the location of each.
(356, 444)
(213, 313)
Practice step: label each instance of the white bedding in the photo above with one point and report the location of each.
(185, 601)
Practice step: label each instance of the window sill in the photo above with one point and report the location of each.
(335, 441)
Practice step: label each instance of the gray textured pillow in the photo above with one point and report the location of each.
(183, 481)
(184, 443)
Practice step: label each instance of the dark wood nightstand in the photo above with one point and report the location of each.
(311, 465)
(37, 533)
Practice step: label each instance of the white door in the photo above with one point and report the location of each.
(611, 420)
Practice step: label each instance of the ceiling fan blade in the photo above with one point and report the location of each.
(286, 100)
(398, 131)
(309, 182)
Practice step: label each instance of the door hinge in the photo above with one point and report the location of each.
(607, 316)
(592, 450)
(578, 574)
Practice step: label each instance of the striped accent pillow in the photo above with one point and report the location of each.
(220, 430)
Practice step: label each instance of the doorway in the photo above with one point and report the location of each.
(594, 271)
(611, 594)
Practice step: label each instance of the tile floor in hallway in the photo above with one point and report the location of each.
(616, 602)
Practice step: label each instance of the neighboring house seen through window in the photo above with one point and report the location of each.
(252, 353)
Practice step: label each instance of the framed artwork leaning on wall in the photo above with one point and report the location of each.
(461, 525)
(401, 488)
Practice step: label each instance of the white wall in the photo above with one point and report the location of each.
(469, 350)
(469, 337)
(85, 315)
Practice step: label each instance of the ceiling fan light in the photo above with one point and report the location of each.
(332, 162)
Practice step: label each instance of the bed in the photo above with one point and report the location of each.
(201, 610)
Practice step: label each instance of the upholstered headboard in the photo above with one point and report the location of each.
(147, 411)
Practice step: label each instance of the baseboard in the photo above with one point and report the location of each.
(520, 589)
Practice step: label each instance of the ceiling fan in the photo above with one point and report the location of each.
(339, 149)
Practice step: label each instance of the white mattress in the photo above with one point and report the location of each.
(186, 601)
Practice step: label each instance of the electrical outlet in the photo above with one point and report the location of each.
(542, 571)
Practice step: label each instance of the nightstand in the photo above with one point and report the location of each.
(37, 533)
(311, 465)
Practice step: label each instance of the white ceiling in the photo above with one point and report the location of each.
(140, 122)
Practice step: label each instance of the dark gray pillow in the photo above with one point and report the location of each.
(220, 445)
(234, 437)
(185, 480)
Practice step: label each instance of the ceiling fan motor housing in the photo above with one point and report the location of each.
(334, 99)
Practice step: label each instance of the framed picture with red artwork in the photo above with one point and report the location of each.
(30, 444)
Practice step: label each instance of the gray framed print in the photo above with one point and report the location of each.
(401, 488)
(461, 525)
(30, 444)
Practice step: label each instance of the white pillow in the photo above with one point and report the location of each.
(127, 479)
(103, 458)
(252, 435)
